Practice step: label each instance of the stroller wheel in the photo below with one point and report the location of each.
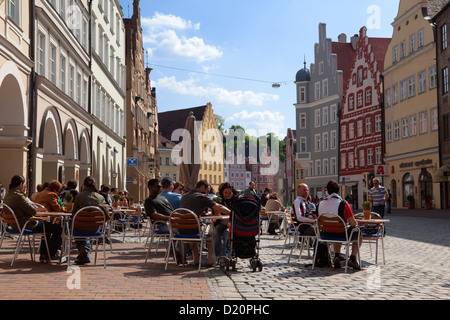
(253, 265)
(233, 265)
(223, 263)
(260, 266)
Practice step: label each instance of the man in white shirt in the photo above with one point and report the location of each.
(301, 212)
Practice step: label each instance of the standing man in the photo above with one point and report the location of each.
(250, 192)
(378, 195)
(301, 211)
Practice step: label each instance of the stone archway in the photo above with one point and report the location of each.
(14, 141)
(50, 142)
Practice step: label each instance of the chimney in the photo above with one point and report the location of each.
(354, 40)
(342, 38)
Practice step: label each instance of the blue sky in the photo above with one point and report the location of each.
(230, 52)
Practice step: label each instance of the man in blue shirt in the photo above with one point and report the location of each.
(378, 196)
(167, 188)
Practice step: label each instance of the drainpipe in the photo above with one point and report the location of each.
(32, 100)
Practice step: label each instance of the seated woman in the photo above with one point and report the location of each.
(49, 197)
(227, 195)
(274, 204)
(24, 210)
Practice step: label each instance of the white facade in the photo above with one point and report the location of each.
(108, 92)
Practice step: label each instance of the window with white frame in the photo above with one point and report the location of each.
(53, 62)
(445, 80)
(317, 118)
(360, 128)
(422, 82)
(405, 129)
(325, 88)
(302, 95)
(434, 119)
(423, 122)
(378, 123)
(394, 54)
(396, 130)
(369, 156)
(351, 160)
(402, 49)
(333, 168)
(72, 81)
(412, 43)
(412, 86)
(343, 161)
(404, 90)
(387, 97)
(317, 142)
(421, 40)
(325, 141)
(368, 126)
(333, 114)
(326, 169)
(343, 132)
(362, 158)
(303, 144)
(433, 77)
(14, 11)
(333, 140)
(318, 170)
(317, 91)
(41, 53)
(63, 71)
(444, 37)
(389, 132)
(413, 125)
(378, 158)
(325, 116)
(395, 94)
(351, 131)
(302, 120)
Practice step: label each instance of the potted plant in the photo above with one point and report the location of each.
(411, 202)
(69, 201)
(116, 198)
(428, 205)
(367, 209)
(131, 198)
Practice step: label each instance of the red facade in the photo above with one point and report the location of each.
(361, 141)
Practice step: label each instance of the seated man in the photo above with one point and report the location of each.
(167, 188)
(156, 207)
(24, 210)
(87, 198)
(198, 202)
(333, 203)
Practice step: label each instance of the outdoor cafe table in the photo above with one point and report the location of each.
(379, 234)
(65, 219)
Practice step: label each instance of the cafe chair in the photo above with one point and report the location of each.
(89, 223)
(155, 233)
(39, 207)
(331, 229)
(291, 230)
(10, 225)
(185, 226)
(303, 240)
(127, 219)
(372, 233)
(264, 218)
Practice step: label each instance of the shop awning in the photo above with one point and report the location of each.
(443, 174)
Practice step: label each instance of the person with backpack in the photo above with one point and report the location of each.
(333, 203)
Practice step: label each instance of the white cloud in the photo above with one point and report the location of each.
(160, 33)
(257, 123)
(217, 95)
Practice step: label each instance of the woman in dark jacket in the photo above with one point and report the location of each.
(227, 195)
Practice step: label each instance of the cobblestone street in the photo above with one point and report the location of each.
(417, 251)
(417, 255)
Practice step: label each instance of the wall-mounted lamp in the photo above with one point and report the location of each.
(137, 99)
(149, 114)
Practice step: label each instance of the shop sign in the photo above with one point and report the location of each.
(424, 162)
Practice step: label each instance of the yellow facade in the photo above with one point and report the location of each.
(411, 117)
(213, 169)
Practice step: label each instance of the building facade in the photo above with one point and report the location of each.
(61, 131)
(141, 112)
(411, 113)
(108, 93)
(319, 93)
(211, 160)
(442, 23)
(16, 67)
(361, 139)
(168, 168)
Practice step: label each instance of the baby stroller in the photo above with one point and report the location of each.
(244, 234)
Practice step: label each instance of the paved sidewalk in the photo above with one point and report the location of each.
(417, 256)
